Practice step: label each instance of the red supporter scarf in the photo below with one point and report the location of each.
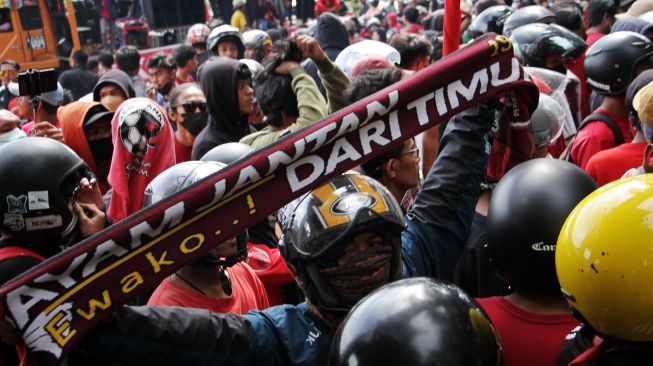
(56, 303)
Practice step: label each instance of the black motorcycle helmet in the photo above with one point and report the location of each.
(416, 321)
(533, 42)
(318, 222)
(228, 153)
(38, 182)
(527, 210)
(489, 20)
(527, 15)
(611, 62)
(179, 177)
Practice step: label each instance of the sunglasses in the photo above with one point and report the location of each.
(191, 107)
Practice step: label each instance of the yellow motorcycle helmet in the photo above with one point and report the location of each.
(604, 260)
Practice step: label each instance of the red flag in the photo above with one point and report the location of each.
(451, 26)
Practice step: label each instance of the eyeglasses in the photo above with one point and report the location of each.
(414, 151)
(191, 107)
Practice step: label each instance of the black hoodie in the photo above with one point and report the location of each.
(332, 36)
(118, 77)
(218, 79)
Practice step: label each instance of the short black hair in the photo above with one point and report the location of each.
(597, 9)
(410, 46)
(13, 63)
(81, 58)
(183, 54)
(411, 14)
(92, 64)
(367, 83)
(106, 59)
(162, 59)
(276, 95)
(128, 59)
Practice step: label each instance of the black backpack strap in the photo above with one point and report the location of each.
(614, 127)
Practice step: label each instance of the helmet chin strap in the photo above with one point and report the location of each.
(73, 222)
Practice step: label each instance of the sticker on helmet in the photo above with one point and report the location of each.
(38, 200)
(43, 222)
(352, 203)
(17, 205)
(14, 222)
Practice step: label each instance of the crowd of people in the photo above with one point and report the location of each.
(543, 264)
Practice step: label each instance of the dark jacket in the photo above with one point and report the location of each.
(79, 81)
(226, 123)
(438, 226)
(117, 77)
(332, 36)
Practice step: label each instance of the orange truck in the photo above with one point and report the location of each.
(37, 33)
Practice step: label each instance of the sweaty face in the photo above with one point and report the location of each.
(245, 96)
(228, 49)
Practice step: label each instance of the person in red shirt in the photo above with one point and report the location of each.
(527, 210)
(610, 165)
(220, 281)
(622, 56)
(600, 17)
(323, 6)
(188, 111)
(186, 58)
(411, 17)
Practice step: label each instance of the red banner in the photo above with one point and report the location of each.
(59, 301)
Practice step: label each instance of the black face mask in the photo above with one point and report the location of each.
(164, 90)
(194, 122)
(102, 149)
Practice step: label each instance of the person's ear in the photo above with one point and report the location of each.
(390, 168)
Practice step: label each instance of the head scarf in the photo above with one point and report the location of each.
(143, 143)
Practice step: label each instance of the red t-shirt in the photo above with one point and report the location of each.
(414, 28)
(189, 79)
(248, 294)
(610, 165)
(592, 37)
(271, 269)
(597, 136)
(27, 127)
(527, 339)
(182, 153)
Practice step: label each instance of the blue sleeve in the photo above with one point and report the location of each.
(440, 219)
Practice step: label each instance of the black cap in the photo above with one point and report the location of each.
(97, 116)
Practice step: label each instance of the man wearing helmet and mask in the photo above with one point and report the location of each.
(342, 240)
(219, 281)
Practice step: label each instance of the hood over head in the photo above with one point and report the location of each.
(117, 77)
